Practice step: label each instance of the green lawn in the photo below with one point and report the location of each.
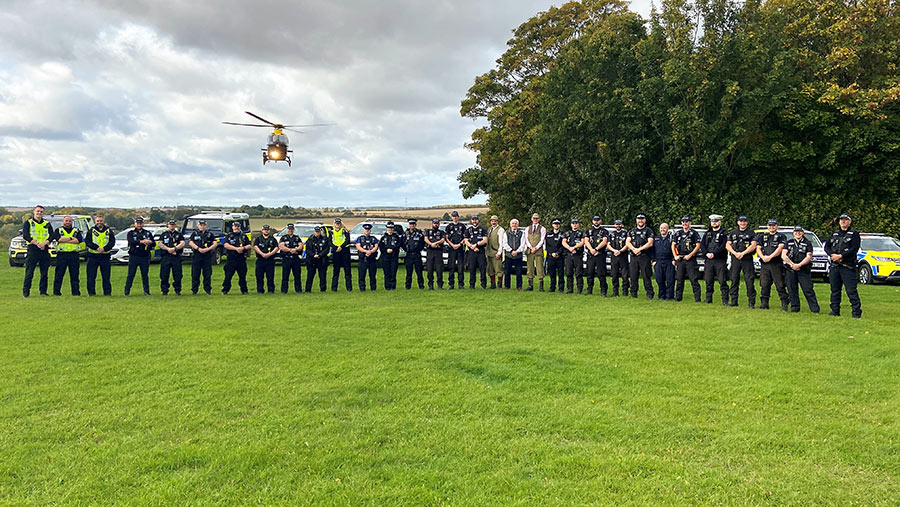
(468, 397)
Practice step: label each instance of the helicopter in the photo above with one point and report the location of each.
(277, 142)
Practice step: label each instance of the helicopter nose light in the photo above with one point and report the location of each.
(274, 154)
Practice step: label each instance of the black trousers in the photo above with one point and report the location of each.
(265, 274)
(368, 264)
(95, 262)
(716, 269)
(316, 267)
(434, 263)
(389, 264)
(639, 267)
(803, 279)
(477, 263)
(665, 278)
(513, 265)
(769, 273)
(574, 270)
(687, 268)
(237, 264)
(170, 264)
(413, 262)
(743, 266)
(135, 262)
(843, 276)
(36, 258)
(619, 268)
(556, 270)
(290, 265)
(341, 260)
(201, 264)
(456, 264)
(67, 261)
(596, 267)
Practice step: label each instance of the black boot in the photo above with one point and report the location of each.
(530, 286)
(541, 289)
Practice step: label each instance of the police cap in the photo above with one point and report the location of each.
(845, 216)
(138, 220)
(171, 222)
(290, 226)
(202, 222)
(575, 221)
(772, 221)
(556, 221)
(390, 225)
(367, 226)
(641, 215)
(715, 218)
(235, 224)
(454, 214)
(798, 228)
(742, 218)
(266, 227)
(435, 221)
(337, 220)
(412, 221)
(596, 217)
(474, 217)
(317, 229)
(617, 222)
(686, 218)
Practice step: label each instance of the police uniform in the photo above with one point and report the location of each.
(556, 259)
(40, 231)
(390, 259)
(413, 243)
(139, 257)
(716, 268)
(619, 263)
(265, 266)
(740, 241)
(771, 272)
(340, 257)
(316, 252)
(455, 233)
(201, 263)
(639, 265)
(236, 261)
(664, 269)
(290, 262)
(843, 273)
(368, 262)
(797, 279)
(596, 264)
(477, 261)
(96, 239)
(684, 243)
(434, 256)
(494, 254)
(574, 259)
(170, 262)
(68, 258)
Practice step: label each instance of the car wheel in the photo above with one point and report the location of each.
(11, 263)
(865, 274)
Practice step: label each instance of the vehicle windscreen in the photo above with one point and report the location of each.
(212, 224)
(300, 230)
(881, 244)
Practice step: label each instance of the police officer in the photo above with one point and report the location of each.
(742, 244)
(340, 255)
(715, 266)
(797, 256)
(37, 233)
(413, 243)
(768, 247)
(841, 248)
(291, 247)
(596, 243)
(494, 253)
(317, 247)
(455, 234)
(265, 246)
(389, 246)
(685, 247)
(236, 246)
(367, 246)
(664, 268)
(434, 254)
(69, 245)
(640, 244)
(535, 237)
(171, 242)
(140, 248)
(513, 246)
(476, 240)
(573, 242)
(203, 244)
(100, 240)
(556, 260)
(618, 248)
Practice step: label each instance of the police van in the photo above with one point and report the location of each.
(18, 248)
(219, 223)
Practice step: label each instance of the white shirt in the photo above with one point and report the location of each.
(540, 243)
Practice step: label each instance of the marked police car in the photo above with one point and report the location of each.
(379, 227)
(18, 248)
(878, 259)
(120, 252)
(304, 229)
(219, 223)
(819, 260)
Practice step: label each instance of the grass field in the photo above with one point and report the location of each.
(471, 398)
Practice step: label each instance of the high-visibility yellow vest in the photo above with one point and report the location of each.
(39, 231)
(338, 238)
(69, 247)
(101, 239)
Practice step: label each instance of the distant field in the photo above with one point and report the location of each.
(257, 223)
(464, 397)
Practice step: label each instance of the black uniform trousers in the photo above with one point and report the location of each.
(574, 270)
(769, 273)
(513, 265)
(803, 279)
(716, 269)
(67, 261)
(596, 267)
(389, 264)
(170, 264)
(456, 264)
(235, 264)
(201, 264)
(434, 263)
(665, 278)
(341, 260)
(316, 267)
(639, 267)
(556, 270)
(413, 262)
(135, 262)
(36, 258)
(265, 270)
(95, 262)
(743, 266)
(368, 264)
(842, 275)
(290, 265)
(477, 263)
(619, 268)
(687, 268)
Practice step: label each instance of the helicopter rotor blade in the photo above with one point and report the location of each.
(313, 125)
(292, 130)
(245, 124)
(260, 118)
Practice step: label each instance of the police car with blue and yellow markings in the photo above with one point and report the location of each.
(878, 259)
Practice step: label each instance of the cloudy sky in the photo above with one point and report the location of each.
(119, 102)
